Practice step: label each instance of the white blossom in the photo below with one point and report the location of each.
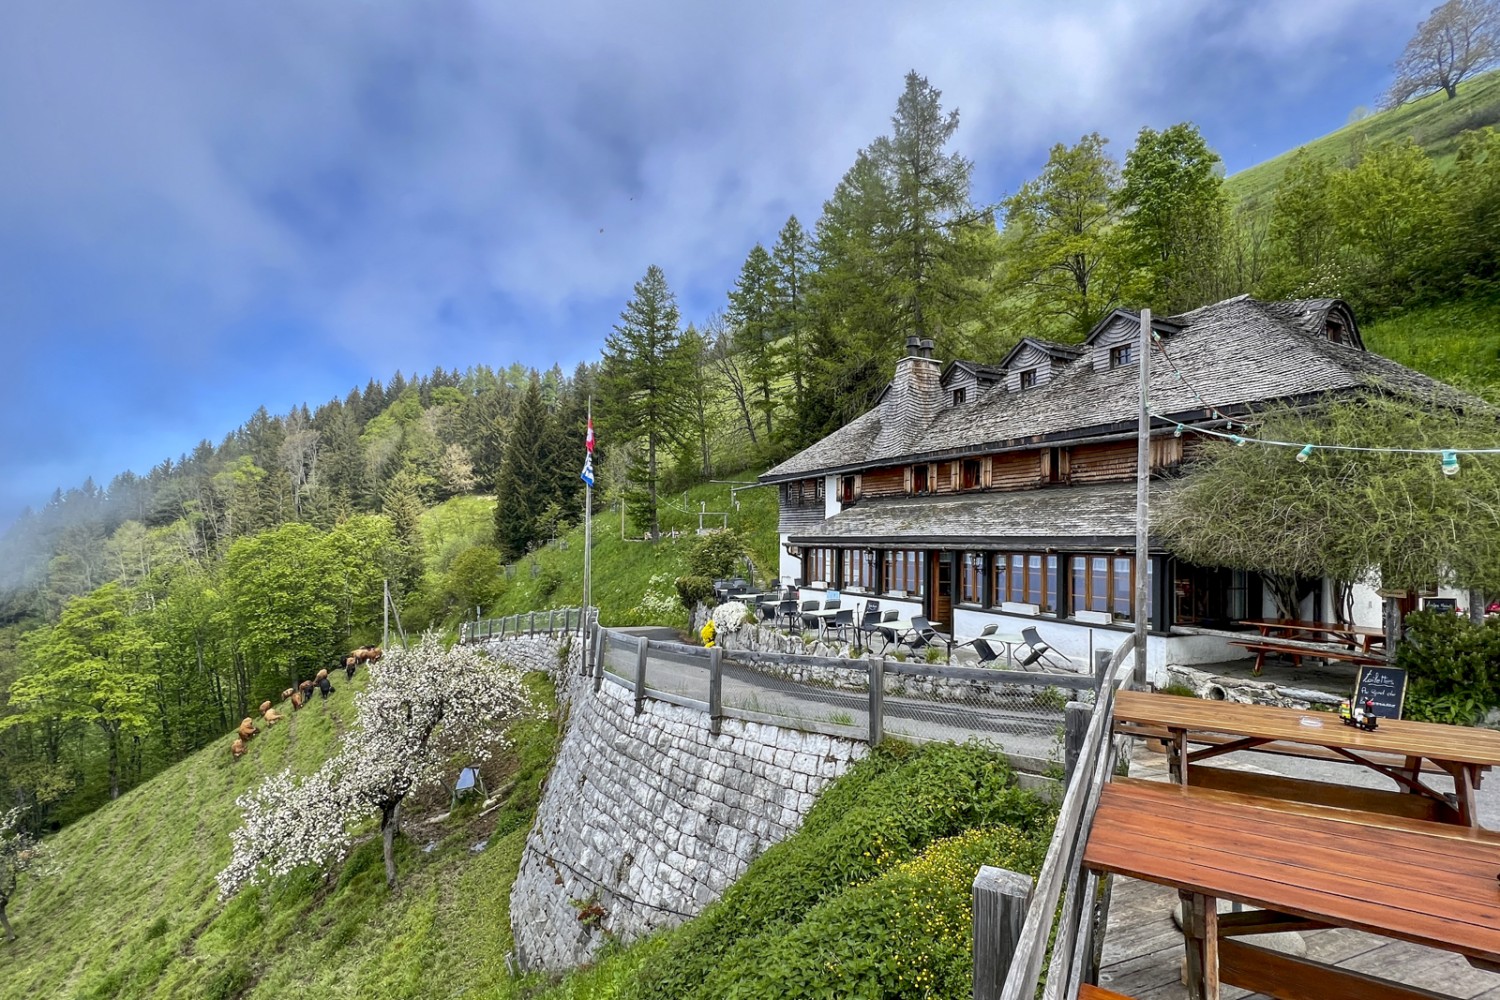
(728, 617)
(20, 853)
(423, 711)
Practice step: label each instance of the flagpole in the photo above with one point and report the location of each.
(588, 544)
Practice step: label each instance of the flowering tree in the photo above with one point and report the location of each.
(421, 708)
(19, 852)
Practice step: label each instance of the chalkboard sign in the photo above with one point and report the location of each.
(1442, 605)
(1385, 686)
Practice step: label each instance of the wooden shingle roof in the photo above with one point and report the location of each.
(1232, 356)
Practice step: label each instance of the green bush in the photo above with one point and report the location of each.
(1452, 667)
(882, 814)
(716, 555)
(694, 590)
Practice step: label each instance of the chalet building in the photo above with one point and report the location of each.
(976, 494)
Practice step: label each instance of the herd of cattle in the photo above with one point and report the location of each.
(299, 696)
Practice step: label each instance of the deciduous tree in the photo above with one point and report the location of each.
(420, 709)
(1457, 40)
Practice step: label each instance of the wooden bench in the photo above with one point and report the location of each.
(1375, 800)
(1262, 648)
(1087, 992)
(1306, 867)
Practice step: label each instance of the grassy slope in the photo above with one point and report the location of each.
(1457, 342)
(1434, 122)
(623, 568)
(133, 912)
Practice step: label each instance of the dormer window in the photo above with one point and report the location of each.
(959, 395)
(1028, 378)
(919, 480)
(1120, 356)
(1335, 331)
(971, 474)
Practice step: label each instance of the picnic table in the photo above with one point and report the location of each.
(1401, 750)
(1353, 636)
(1306, 867)
(1296, 652)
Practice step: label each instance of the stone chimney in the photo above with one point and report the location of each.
(914, 399)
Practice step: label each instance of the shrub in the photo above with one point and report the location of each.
(716, 555)
(694, 590)
(880, 815)
(1452, 667)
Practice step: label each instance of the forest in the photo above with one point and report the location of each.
(140, 619)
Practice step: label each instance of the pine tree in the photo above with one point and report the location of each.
(402, 503)
(792, 264)
(643, 385)
(752, 311)
(522, 484)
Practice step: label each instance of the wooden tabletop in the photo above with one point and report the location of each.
(1426, 883)
(1456, 744)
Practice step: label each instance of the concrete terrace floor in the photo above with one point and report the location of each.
(1143, 948)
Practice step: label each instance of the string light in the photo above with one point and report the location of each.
(1448, 457)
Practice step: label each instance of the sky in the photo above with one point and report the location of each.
(209, 207)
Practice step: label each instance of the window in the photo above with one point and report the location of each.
(859, 569)
(848, 489)
(1028, 378)
(905, 572)
(1057, 465)
(1024, 578)
(971, 474)
(920, 481)
(971, 578)
(1106, 584)
(805, 491)
(1335, 331)
(959, 395)
(1119, 356)
(818, 564)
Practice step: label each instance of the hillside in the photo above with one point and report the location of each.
(1434, 122)
(133, 912)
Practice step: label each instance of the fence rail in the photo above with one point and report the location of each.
(1074, 952)
(1020, 713)
(559, 621)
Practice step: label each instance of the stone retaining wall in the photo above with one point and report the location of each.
(647, 819)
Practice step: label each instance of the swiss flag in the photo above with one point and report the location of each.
(588, 442)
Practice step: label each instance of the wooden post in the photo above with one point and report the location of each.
(598, 662)
(877, 700)
(531, 625)
(715, 689)
(640, 674)
(1000, 901)
(1200, 933)
(1077, 723)
(1101, 669)
(1142, 489)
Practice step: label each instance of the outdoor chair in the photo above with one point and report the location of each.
(1039, 651)
(869, 621)
(808, 621)
(987, 654)
(922, 635)
(832, 604)
(842, 624)
(786, 613)
(988, 630)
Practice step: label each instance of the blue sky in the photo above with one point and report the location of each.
(206, 207)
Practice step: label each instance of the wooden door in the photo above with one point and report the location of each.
(940, 589)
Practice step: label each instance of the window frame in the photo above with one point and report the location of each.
(1028, 378)
(899, 567)
(1121, 355)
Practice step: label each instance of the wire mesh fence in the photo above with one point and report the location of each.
(558, 621)
(1020, 713)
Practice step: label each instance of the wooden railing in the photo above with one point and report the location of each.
(1074, 955)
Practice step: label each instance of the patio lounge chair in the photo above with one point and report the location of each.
(987, 654)
(1039, 651)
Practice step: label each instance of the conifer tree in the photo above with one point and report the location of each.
(522, 485)
(752, 311)
(643, 386)
(792, 264)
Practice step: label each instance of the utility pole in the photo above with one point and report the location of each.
(1142, 482)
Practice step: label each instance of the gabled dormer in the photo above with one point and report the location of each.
(964, 381)
(1323, 319)
(1115, 339)
(1033, 362)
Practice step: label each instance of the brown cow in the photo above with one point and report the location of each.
(306, 687)
(296, 700)
(288, 693)
(271, 716)
(264, 705)
(237, 748)
(247, 730)
(372, 654)
(322, 674)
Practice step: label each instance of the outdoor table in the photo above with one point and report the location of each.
(824, 617)
(1306, 867)
(1353, 636)
(1009, 640)
(1397, 750)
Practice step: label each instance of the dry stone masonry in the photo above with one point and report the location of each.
(647, 819)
